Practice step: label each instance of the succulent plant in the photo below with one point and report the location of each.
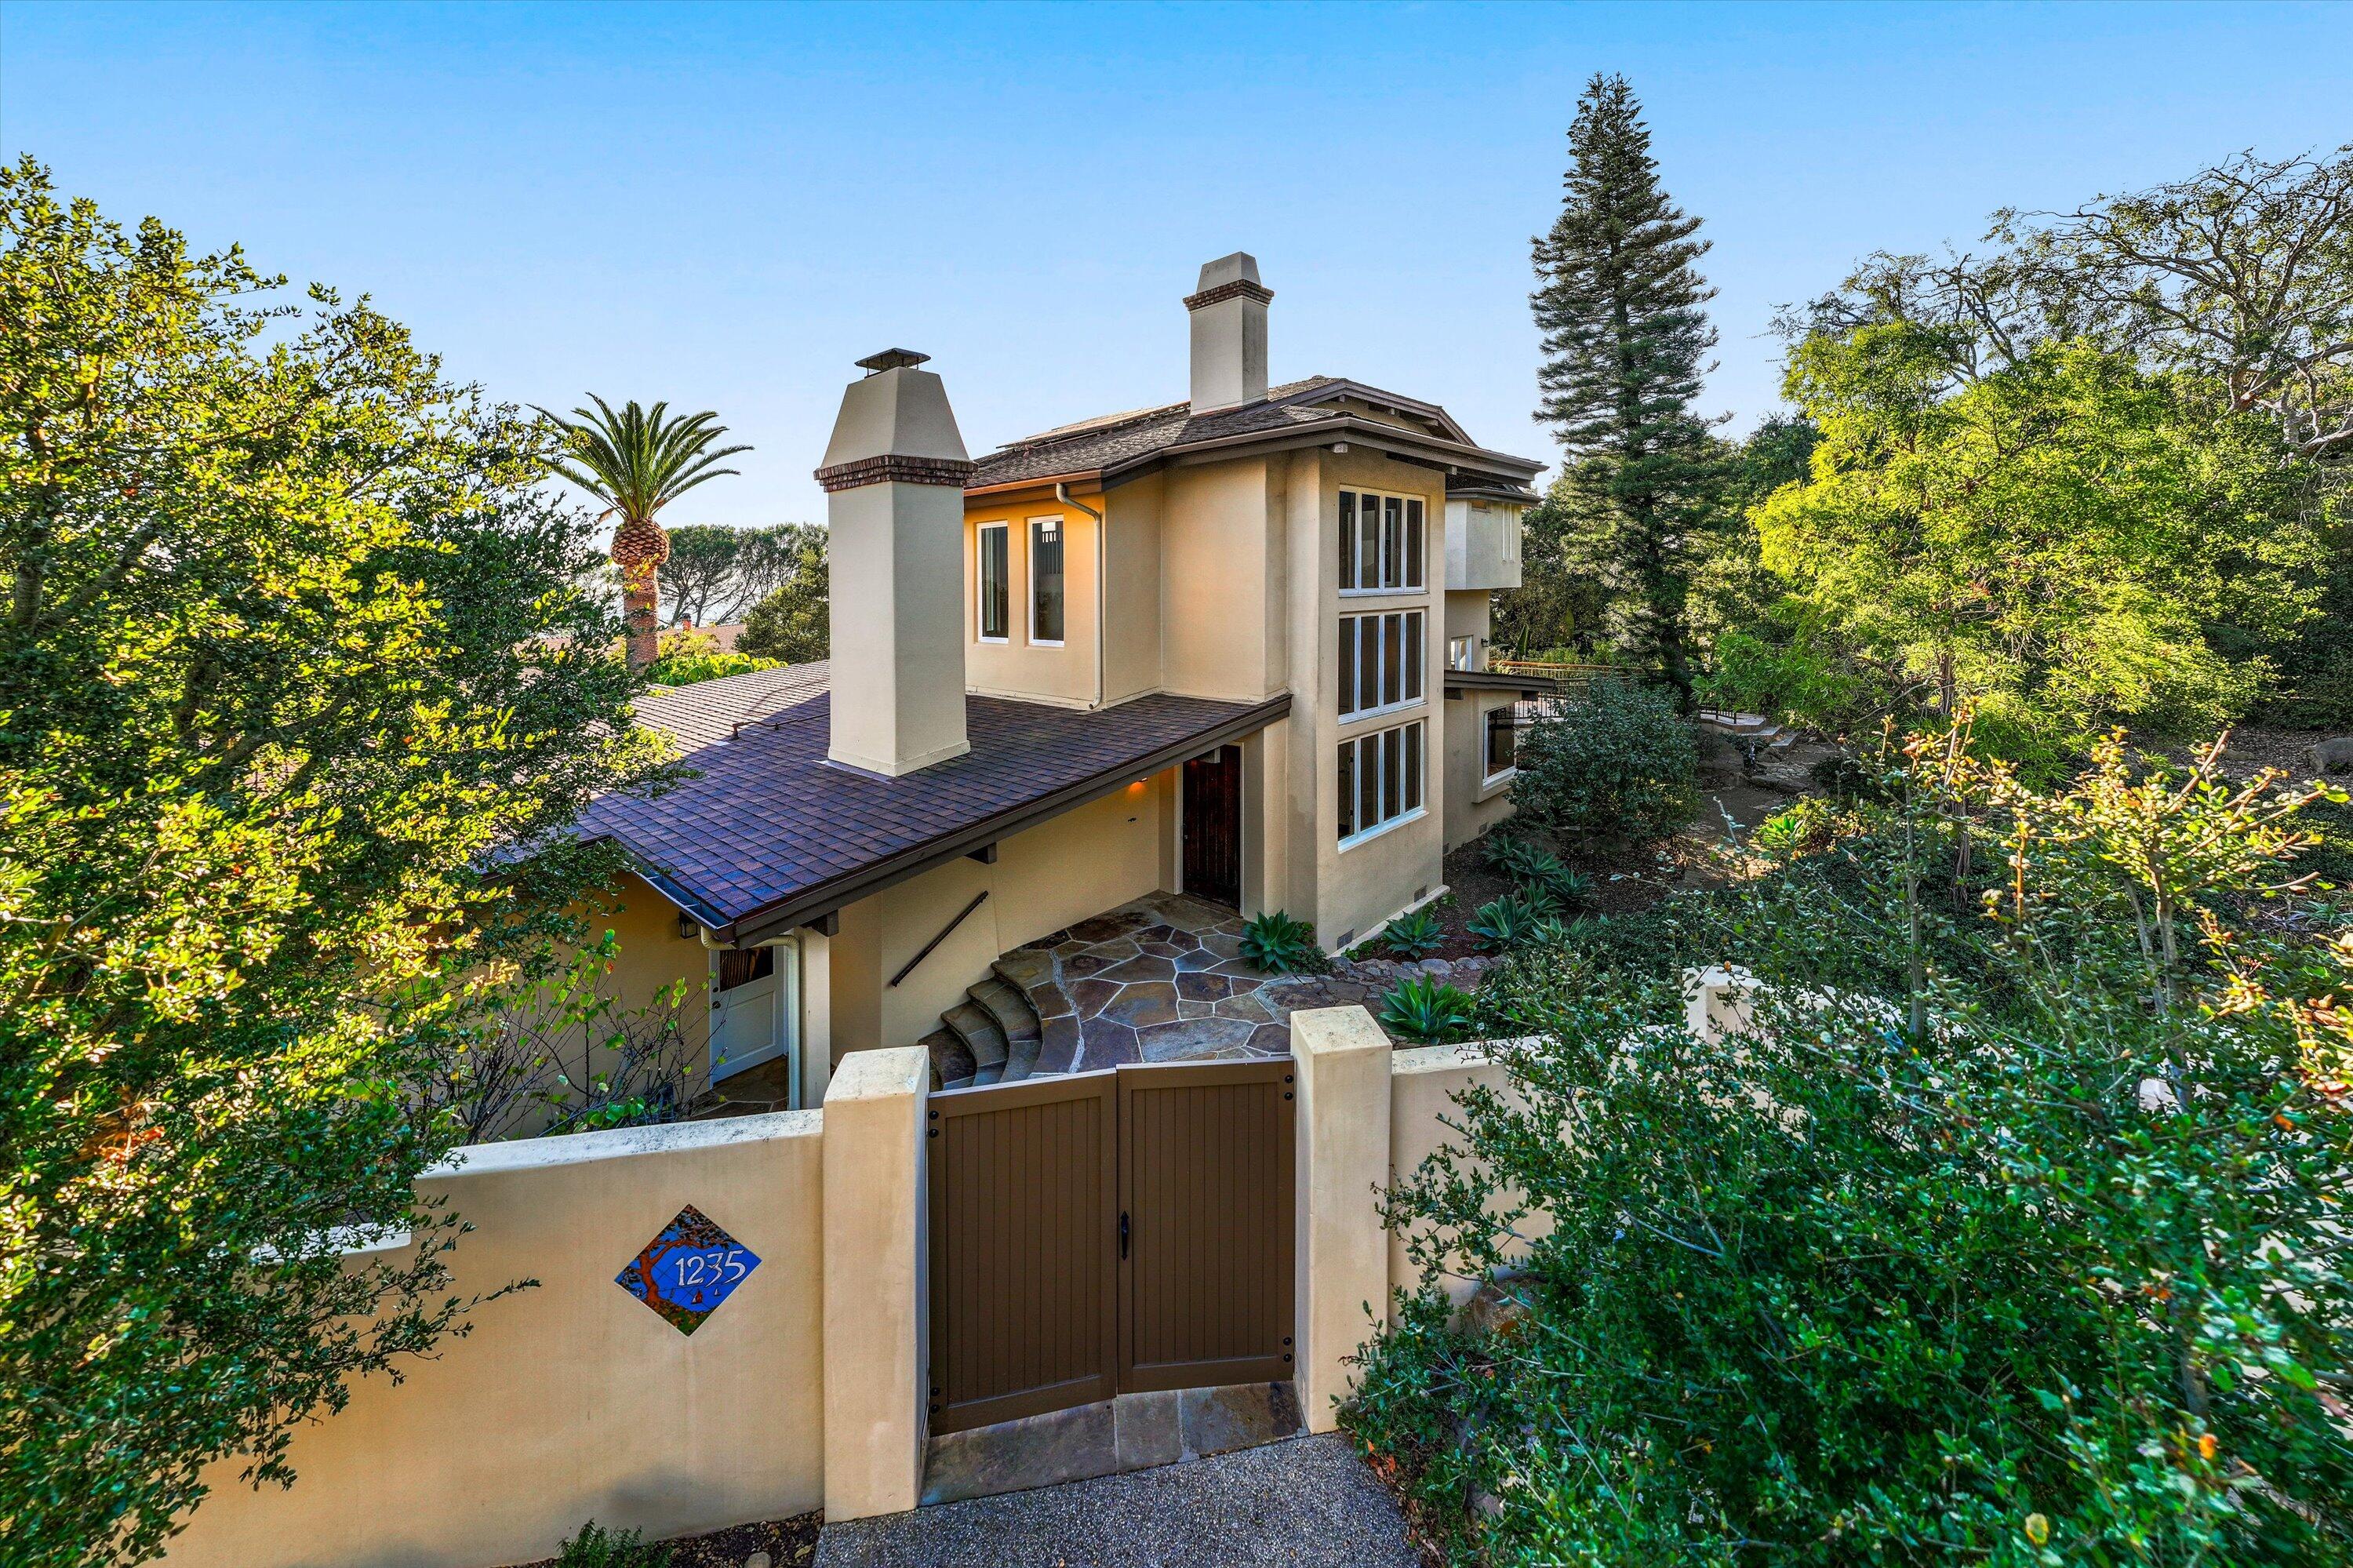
(1276, 944)
(1413, 936)
(1505, 922)
(1426, 1008)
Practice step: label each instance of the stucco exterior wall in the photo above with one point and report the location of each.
(1063, 870)
(1214, 582)
(1018, 666)
(1474, 803)
(572, 1400)
(1132, 622)
(1423, 1083)
(1483, 544)
(1469, 615)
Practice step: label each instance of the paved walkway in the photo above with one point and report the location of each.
(1307, 1503)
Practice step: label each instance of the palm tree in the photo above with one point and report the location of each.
(637, 462)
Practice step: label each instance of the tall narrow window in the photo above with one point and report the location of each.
(1368, 541)
(1392, 544)
(1348, 663)
(1046, 581)
(1347, 538)
(1413, 543)
(1347, 776)
(996, 582)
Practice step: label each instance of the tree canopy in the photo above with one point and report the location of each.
(295, 642)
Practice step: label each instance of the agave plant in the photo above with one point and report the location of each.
(1514, 857)
(1414, 936)
(1276, 944)
(637, 462)
(1505, 922)
(1424, 1008)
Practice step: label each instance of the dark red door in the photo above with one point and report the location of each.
(1213, 827)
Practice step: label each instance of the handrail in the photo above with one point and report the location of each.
(977, 900)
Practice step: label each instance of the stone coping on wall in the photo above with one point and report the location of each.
(622, 1142)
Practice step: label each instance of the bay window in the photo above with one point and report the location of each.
(1379, 778)
(1381, 542)
(1380, 662)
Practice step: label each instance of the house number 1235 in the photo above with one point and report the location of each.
(700, 1268)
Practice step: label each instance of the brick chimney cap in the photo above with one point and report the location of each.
(891, 359)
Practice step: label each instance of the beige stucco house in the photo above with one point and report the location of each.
(1232, 648)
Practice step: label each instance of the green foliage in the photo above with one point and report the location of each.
(793, 622)
(1505, 922)
(1616, 769)
(1423, 1008)
(1414, 935)
(1622, 308)
(2010, 1230)
(638, 461)
(1798, 828)
(293, 644)
(596, 1547)
(688, 657)
(1275, 943)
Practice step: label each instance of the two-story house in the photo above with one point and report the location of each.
(1232, 648)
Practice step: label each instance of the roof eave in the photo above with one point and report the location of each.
(1430, 450)
(798, 909)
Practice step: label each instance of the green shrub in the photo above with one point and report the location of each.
(1540, 873)
(1424, 1008)
(1505, 922)
(1275, 943)
(596, 1547)
(1797, 828)
(1615, 771)
(688, 657)
(2009, 1234)
(1414, 935)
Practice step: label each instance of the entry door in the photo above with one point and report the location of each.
(751, 1006)
(1213, 827)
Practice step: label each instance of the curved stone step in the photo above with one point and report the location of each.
(1015, 1020)
(952, 1062)
(970, 1022)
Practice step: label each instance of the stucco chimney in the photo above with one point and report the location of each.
(1229, 311)
(893, 476)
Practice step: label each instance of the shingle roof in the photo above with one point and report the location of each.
(708, 711)
(771, 826)
(1115, 439)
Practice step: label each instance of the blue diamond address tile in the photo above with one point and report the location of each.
(688, 1270)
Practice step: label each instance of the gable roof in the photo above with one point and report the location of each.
(1114, 445)
(772, 833)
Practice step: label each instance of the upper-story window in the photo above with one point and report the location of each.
(1462, 652)
(1045, 581)
(1380, 662)
(996, 582)
(1381, 542)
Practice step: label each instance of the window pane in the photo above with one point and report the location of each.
(1347, 538)
(1392, 660)
(1368, 783)
(1413, 543)
(1045, 579)
(1347, 663)
(1413, 768)
(1413, 657)
(995, 589)
(1500, 736)
(1392, 530)
(1392, 744)
(1369, 661)
(1368, 541)
(1347, 770)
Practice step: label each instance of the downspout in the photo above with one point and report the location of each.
(1062, 493)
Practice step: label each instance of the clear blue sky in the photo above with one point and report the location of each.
(725, 206)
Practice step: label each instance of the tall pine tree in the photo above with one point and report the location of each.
(1621, 306)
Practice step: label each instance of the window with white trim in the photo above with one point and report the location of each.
(996, 582)
(1379, 779)
(1380, 662)
(1045, 581)
(1381, 542)
(1501, 754)
(1462, 652)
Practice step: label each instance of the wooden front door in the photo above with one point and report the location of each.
(1213, 827)
(1107, 1233)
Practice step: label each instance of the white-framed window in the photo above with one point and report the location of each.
(1045, 581)
(1381, 542)
(1379, 781)
(1498, 748)
(1461, 653)
(1380, 662)
(996, 582)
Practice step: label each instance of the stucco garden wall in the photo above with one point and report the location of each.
(572, 1400)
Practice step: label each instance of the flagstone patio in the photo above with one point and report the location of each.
(1160, 978)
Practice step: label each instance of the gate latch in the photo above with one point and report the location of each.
(1122, 1236)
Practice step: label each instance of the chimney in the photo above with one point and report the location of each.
(1229, 311)
(893, 476)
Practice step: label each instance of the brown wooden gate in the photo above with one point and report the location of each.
(1103, 1233)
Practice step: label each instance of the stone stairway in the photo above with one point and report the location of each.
(993, 1036)
(1752, 732)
